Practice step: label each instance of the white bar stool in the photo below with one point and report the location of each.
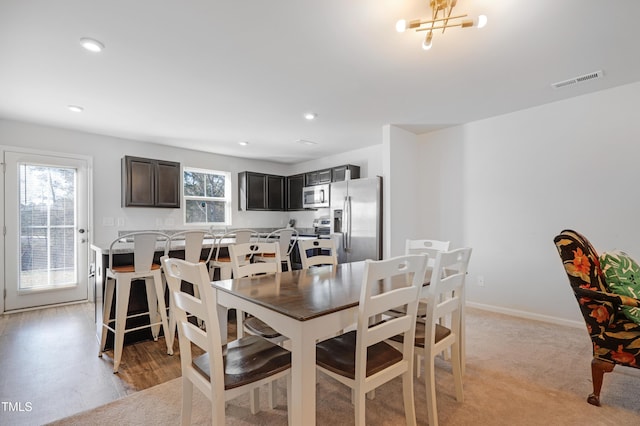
(122, 277)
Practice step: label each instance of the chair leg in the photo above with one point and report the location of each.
(417, 365)
(463, 338)
(152, 302)
(456, 367)
(254, 400)
(162, 307)
(106, 313)
(187, 397)
(122, 307)
(407, 393)
(170, 335)
(289, 399)
(430, 385)
(239, 324)
(359, 406)
(598, 368)
(273, 394)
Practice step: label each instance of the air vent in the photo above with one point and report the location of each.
(579, 79)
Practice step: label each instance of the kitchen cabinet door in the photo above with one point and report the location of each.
(294, 192)
(275, 193)
(259, 191)
(256, 191)
(167, 184)
(338, 174)
(150, 183)
(324, 176)
(318, 177)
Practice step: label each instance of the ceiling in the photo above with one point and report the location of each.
(206, 75)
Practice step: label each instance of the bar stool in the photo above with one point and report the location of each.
(122, 277)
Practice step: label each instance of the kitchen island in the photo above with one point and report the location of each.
(123, 255)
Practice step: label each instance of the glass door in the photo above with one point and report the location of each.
(46, 218)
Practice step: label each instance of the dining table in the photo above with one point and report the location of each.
(307, 306)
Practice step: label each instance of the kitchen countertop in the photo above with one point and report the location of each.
(127, 247)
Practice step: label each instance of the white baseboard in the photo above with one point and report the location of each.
(527, 315)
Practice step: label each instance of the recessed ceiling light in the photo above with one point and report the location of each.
(306, 142)
(243, 143)
(91, 45)
(75, 108)
(310, 115)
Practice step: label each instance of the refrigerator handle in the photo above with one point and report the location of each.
(344, 229)
(348, 233)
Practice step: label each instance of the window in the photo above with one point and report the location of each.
(207, 197)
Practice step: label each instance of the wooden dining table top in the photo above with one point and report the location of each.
(305, 294)
(302, 294)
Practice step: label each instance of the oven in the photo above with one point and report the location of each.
(322, 227)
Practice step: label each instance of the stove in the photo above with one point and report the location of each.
(322, 227)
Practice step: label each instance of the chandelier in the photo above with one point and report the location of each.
(441, 19)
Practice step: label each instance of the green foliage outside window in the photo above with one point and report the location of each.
(207, 196)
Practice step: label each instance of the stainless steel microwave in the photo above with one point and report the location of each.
(314, 197)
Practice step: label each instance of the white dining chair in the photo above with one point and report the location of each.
(221, 373)
(432, 248)
(191, 245)
(241, 269)
(317, 252)
(222, 262)
(287, 239)
(119, 280)
(446, 297)
(362, 359)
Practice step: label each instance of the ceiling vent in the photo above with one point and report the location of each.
(579, 79)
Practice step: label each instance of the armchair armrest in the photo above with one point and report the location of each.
(613, 298)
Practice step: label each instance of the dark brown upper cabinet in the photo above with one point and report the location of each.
(259, 191)
(150, 183)
(338, 174)
(318, 177)
(295, 184)
(334, 174)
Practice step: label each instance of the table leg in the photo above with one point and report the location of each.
(303, 380)
(223, 322)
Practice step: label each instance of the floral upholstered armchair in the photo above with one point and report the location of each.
(615, 339)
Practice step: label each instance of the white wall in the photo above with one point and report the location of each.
(107, 153)
(442, 192)
(525, 177)
(402, 189)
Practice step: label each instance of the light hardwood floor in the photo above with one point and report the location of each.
(49, 365)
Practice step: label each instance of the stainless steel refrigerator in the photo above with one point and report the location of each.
(356, 219)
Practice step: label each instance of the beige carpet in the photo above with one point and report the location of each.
(519, 372)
